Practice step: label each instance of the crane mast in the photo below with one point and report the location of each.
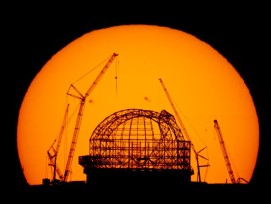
(80, 113)
(62, 129)
(224, 151)
(53, 157)
(185, 132)
(57, 170)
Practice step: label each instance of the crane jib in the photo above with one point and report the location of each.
(80, 115)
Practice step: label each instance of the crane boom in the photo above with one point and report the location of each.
(62, 129)
(57, 170)
(176, 113)
(53, 156)
(184, 130)
(224, 151)
(80, 114)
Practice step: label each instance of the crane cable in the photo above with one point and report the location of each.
(46, 167)
(180, 111)
(84, 75)
(116, 76)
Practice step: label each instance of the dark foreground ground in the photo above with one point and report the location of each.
(80, 191)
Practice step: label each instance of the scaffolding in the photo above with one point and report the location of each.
(138, 140)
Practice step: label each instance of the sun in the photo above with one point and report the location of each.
(202, 84)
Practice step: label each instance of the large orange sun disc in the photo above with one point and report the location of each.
(202, 83)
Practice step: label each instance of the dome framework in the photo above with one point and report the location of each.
(138, 141)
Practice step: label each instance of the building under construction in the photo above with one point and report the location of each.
(136, 146)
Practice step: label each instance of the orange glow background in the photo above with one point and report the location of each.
(201, 82)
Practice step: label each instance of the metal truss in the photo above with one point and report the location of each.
(138, 139)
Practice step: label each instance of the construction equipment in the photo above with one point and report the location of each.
(82, 99)
(197, 155)
(225, 155)
(52, 153)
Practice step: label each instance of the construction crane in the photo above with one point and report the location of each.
(197, 155)
(225, 154)
(53, 152)
(82, 99)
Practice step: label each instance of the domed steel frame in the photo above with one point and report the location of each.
(138, 140)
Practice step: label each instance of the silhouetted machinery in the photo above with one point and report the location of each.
(140, 147)
(226, 155)
(52, 152)
(197, 153)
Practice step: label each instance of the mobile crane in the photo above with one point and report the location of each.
(53, 152)
(225, 155)
(82, 99)
(197, 155)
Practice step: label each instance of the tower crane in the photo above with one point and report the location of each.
(225, 154)
(82, 99)
(197, 155)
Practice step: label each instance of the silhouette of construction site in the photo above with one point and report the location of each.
(132, 148)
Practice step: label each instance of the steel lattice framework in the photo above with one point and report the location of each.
(138, 139)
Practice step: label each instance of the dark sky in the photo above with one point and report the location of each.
(34, 33)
